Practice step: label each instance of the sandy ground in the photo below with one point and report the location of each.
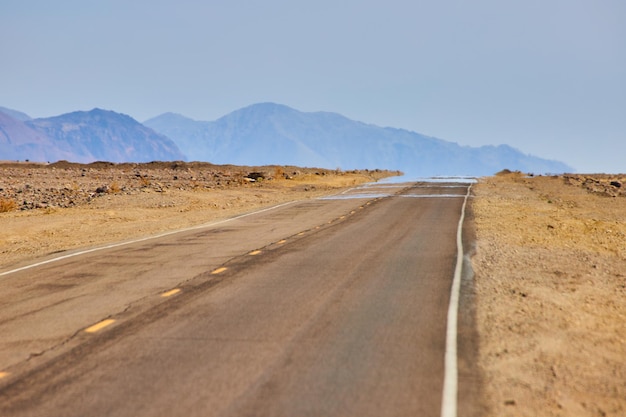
(550, 260)
(550, 285)
(62, 206)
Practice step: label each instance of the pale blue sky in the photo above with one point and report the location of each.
(545, 76)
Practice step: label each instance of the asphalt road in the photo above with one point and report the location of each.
(328, 307)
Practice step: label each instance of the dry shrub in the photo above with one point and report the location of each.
(279, 173)
(7, 205)
(114, 188)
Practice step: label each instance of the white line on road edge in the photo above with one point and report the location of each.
(451, 371)
(115, 245)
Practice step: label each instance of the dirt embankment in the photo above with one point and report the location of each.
(46, 208)
(551, 294)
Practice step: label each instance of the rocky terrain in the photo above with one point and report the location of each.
(600, 184)
(63, 184)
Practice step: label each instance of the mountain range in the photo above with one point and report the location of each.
(260, 134)
(82, 136)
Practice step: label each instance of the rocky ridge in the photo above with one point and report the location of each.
(600, 184)
(63, 184)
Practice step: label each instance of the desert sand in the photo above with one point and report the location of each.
(550, 282)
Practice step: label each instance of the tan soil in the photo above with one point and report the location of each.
(550, 262)
(65, 206)
(550, 288)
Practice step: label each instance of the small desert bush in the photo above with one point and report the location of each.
(7, 205)
(279, 173)
(114, 188)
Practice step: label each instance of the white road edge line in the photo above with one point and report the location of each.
(451, 372)
(115, 245)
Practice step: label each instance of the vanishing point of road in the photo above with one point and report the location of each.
(338, 306)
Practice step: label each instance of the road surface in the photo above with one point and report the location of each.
(329, 307)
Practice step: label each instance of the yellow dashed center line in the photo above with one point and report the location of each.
(171, 292)
(254, 252)
(219, 270)
(99, 326)
(300, 234)
(3, 374)
(280, 242)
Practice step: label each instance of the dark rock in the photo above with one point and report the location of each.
(256, 175)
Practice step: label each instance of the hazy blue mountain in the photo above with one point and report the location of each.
(260, 134)
(86, 137)
(192, 135)
(269, 133)
(19, 142)
(15, 114)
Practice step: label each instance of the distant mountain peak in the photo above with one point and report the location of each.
(168, 117)
(270, 133)
(265, 110)
(260, 134)
(268, 105)
(103, 113)
(87, 136)
(90, 114)
(18, 115)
